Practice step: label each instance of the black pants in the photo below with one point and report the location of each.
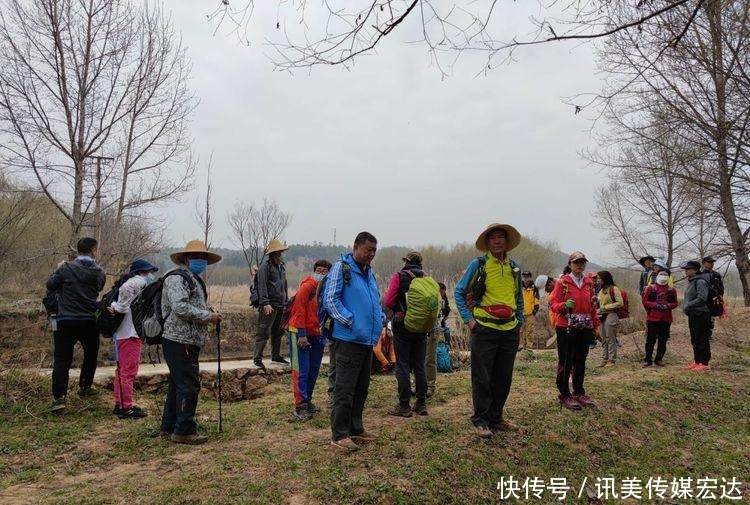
(269, 325)
(353, 362)
(572, 351)
(493, 353)
(184, 385)
(700, 334)
(68, 333)
(656, 331)
(411, 353)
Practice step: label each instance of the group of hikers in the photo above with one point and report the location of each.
(339, 304)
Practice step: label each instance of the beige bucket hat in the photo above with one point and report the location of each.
(276, 245)
(195, 246)
(513, 237)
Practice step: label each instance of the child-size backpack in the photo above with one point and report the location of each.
(148, 319)
(422, 303)
(624, 311)
(443, 358)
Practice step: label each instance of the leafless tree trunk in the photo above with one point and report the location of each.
(204, 213)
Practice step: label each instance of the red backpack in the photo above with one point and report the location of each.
(624, 311)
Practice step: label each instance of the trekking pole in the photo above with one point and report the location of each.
(218, 363)
(567, 352)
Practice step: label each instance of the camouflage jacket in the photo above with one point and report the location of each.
(186, 313)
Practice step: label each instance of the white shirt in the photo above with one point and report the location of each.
(577, 280)
(128, 292)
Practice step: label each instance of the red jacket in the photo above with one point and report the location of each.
(584, 297)
(305, 309)
(659, 295)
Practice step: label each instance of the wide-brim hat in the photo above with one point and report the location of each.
(193, 247)
(141, 265)
(642, 261)
(513, 238)
(276, 245)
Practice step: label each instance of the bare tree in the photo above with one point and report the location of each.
(84, 79)
(254, 226)
(204, 213)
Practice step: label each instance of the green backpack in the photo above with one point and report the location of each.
(422, 304)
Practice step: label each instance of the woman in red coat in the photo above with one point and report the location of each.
(659, 300)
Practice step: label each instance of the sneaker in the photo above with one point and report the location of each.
(645, 364)
(312, 408)
(659, 362)
(116, 411)
(193, 439)
(365, 436)
(400, 411)
(258, 363)
(570, 403)
(346, 444)
(88, 391)
(302, 413)
(482, 431)
(279, 361)
(133, 412)
(700, 367)
(420, 408)
(584, 401)
(503, 426)
(57, 405)
(691, 366)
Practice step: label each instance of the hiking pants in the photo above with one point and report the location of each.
(411, 350)
(269, 326)
(67, 334)
(353, 363)
(608, 330)
(331, 369)
(184, 385)
(493, 353)
(527, 332)
(572, 350)
(305, 367)
(129, 352)
(700, 334)
(431, 359)
(656, 331)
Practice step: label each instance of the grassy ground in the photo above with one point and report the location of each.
(656, 422)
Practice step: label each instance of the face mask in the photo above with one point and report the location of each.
(662, 280)
(197, 266)
(150, 278)
(318, 277)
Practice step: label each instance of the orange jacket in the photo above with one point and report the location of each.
(304, 318)
(584, 298)
(384, 350)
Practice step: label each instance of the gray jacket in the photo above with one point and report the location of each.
(185, 312)
(77, 284)
(696, 296)
(272, 288)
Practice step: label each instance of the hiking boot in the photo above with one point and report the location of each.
(482, 431)
(279, 361)
(133, 412)
(503, 426)
(584, 401)
(365, 436)
(346, 444)
(302, 413)
(193, 439)
(570, 403)
(57, 405)
(430, 392)
(401, 411)
(88, 391)
(258, 363)
(420, 408)
(646, 364)
(162, 434)
(659, 362)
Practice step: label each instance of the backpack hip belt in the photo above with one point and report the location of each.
(494, 320)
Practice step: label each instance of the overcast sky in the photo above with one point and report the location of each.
(389, 146)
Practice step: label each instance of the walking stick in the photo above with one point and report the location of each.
(218, 361)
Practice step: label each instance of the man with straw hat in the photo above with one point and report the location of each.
(272, 298)
(489, 298)
(186, 319)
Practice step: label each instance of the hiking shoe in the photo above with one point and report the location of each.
(116, 411)
(302, 413)
(584, 400)
(645, 364)
(570, 403)
(365, 436)
(691, 366)
(162, 434)
(503, 426)
(258, 363)
(193, 439)
(346, 444)
(659, 362)
(700, 367)
(312, 408)
(430, 392)
(420, 408)
(133, 412)
(57, 405)
(279, 361)
(400, 411)
(482, 431)
(88, 391)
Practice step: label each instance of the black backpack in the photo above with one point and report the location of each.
(324, 318)
(148, 319)
(714, 302)
(106, 322)
(254, 297)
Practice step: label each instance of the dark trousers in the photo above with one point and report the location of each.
(353, 362)
(700, 334)
(184, 385)
(411, 352)
(493, 353)
(656, 331)
(68, 333)
(269, 325)
(572, 350)
(331, 369)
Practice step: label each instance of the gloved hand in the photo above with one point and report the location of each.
(536, 309)
(659, 306)
(570, 304)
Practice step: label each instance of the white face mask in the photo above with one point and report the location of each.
(318, 277)
(662, 280)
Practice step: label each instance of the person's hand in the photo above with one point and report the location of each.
(533, 313)
(302, 342)
(267, 310)
(471, 324)
(111, 310)
(659, 306)
(215, 318)
(597, 334)
(570, 304)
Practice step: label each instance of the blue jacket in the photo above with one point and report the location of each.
(463, 287)
(354, 305)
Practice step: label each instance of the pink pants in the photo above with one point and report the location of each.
(129, 351)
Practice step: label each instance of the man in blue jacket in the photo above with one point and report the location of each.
(352, 299)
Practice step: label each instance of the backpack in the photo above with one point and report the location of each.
(50, 303)
(624, 311)
(443, 358)
(422, 303)
(714, 302)
(479, 284)
(287, 314)
(254, 296)
(148, 319)
(324, 318)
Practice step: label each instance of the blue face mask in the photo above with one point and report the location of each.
(150, 278)
(318, 277)
(197, 266)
